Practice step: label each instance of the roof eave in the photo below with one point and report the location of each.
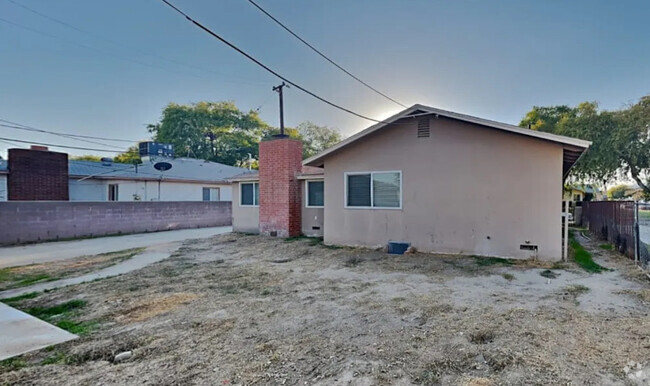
(317, 159)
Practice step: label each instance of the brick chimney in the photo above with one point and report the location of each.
(280, 200)
(37, 174)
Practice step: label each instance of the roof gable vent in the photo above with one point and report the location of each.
(424, 130)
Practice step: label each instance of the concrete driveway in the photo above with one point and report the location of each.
(60, 250)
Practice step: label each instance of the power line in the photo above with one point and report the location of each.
(322, 54)
(59, 135)
(62, 146)
(206, 29)
(118, 44)
(93, 48)
(30, 128)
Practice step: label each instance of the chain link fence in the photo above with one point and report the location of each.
(625, 224)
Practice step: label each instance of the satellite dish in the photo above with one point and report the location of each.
(162, 166)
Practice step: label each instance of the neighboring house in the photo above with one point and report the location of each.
(579, 193)
(188, 180)
(441, 181)
(40, 174)
(3, 180)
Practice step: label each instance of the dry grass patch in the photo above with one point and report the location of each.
(154, 306)
(26, 275)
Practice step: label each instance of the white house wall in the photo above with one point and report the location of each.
(3, 187)
(130, 190)
(87, 190)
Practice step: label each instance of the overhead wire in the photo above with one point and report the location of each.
(16, 125)
(322, 54)
(256, 61)
(62, 146)
(121, 45)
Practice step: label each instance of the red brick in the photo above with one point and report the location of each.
(37, 175)
(280, 196)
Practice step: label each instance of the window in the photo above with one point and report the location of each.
(250, 194)
(315, 194)
(211, 194)
(576, 197)
(112, 192)
(374, 190)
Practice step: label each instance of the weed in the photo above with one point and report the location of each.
(78, 328)
(547, 273)
(353, 261)
(46, 313)
(508, 276)
(607, 247)
(56, 358)
(487, 261)
(9, 279)
(576, 289)
(266, 291)
(19, 298)
(481, 337)
(12, 364)
(583, 258)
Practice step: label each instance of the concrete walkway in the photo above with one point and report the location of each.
(21, 333)
(60, 250)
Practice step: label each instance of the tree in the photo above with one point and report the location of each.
(617, 192)
(317, 138)
(216, 131)
(131, 156)
(87, 157)
(620, 139)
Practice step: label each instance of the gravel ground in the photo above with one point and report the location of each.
(243, 309)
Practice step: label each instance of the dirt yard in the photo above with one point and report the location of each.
(243, 309)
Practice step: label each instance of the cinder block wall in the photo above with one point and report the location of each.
(41, 221)
(280, 194)
(37, 175)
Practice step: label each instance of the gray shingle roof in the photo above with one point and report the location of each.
(182, 169)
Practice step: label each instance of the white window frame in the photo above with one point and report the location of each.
(116, 189)
(213, 191)
(256, 186)
(307, 194)
(345, 190)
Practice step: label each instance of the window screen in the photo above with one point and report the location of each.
(374, 190)
(386, 190)
(206, 194)
(315, 194)
(359, 190)
(249, 194)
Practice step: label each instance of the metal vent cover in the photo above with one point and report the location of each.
(424, 130)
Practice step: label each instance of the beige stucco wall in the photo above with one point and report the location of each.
(311, 217)
(244, 218)
(466, 189)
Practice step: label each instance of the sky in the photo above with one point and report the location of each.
(492, 59)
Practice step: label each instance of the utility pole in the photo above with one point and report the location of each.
(278, 89)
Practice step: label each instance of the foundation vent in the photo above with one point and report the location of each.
(424, 130)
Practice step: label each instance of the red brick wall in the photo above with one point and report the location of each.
(280, 196)
(37, 175)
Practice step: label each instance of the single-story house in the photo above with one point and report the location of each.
(579, 193)
(438, 180)
(39, 174)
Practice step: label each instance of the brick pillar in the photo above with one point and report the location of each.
(37, 175)
(280, 195)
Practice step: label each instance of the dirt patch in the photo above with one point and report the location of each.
(243, 309)
(149, 307)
